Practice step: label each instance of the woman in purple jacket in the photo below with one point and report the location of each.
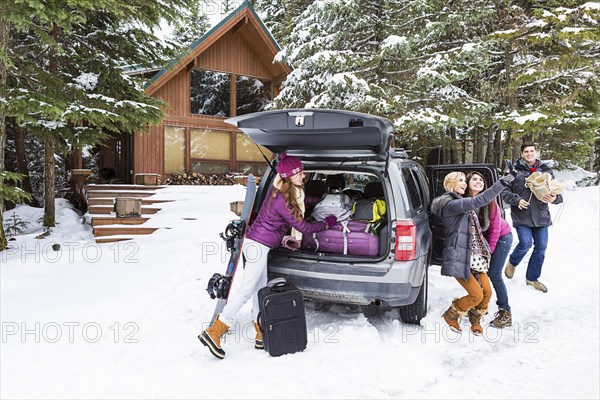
(498, 234)
(283, 208)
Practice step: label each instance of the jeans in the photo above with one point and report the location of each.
(496, 266)
(255, 277)
(526, 234)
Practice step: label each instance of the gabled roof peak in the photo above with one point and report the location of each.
(176, 64)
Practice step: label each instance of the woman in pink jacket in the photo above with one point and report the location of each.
(498, 234)
(282, 209)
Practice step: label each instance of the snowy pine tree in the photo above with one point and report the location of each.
(331, 49)
(67, 85)
(549, 73)
(189, 27)
(279, 15)
(481, 70)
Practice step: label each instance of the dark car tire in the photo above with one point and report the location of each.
(413, 313)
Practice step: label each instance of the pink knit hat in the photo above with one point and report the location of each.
(289, 166)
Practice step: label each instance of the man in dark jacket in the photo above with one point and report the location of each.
(530, 216)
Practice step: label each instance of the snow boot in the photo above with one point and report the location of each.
(509, 270)
(453, 316)
(537, 285)
(211, 338)
(475, 317)
(502, 318)
(258, 342)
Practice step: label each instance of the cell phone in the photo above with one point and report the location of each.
(508, 165)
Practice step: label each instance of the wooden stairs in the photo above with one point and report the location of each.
(107, 227)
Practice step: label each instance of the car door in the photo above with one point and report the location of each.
(436, 174)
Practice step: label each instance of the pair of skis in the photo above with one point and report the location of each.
(234, 234)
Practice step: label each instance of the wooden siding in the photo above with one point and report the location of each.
(176, 93)
(232, 54)
(240, 47)
(148, 153)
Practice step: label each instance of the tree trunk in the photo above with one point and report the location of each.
(595, 166)
(489, 151)
(476, 147)
(22, 169)
(498, 148)
(49, 178)
(511, 96)
(481, 143)
(478, 156)
(454, 148)
(3, 241)
(508, 146)
(512, 145)
(517, 148)
(4, 32)
(49, 145)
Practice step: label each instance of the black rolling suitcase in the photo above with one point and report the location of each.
(281, 318)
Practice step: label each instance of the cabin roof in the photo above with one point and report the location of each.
(243, 16)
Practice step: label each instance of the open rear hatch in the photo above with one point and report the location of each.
(317, 133)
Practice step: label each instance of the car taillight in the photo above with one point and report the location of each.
(406, 240)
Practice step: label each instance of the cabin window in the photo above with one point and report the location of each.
(174, 149)
(252, 94)
(248, 156)
(246, 150)
(210, 144)
(210, 93)
(210, 151)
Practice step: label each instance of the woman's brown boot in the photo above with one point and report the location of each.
(475, 316)
(211, 338)
(453, 316)
(258, 342)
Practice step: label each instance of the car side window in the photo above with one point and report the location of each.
(414, 194)
(421, 182)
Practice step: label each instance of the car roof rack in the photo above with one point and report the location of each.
(399, 153)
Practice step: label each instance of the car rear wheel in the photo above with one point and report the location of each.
(413, 313)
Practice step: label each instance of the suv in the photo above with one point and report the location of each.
(350, 151)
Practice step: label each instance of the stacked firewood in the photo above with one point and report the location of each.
(194, 178)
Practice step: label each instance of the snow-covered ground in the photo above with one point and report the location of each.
(120, 320)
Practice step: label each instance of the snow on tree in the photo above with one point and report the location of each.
(549, 73)
(449, 70)
(66, 84)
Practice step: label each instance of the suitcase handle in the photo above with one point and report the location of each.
(276, 282)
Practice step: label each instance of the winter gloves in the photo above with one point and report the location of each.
(507, 179)
(290, 242)
(330, 221)
(510, 175)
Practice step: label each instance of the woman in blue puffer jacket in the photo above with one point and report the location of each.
(283, 208)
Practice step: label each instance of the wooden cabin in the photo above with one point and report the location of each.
(229, 71)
